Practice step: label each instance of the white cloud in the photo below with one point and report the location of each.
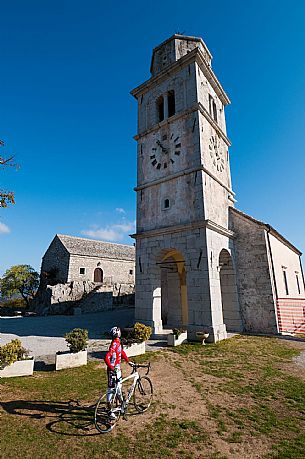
(4, 229)
(113, 233)
(120, 210)
(107, 234)
(124, 227)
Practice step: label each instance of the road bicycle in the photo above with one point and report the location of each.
(141, 390)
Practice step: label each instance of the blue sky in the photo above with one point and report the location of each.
(67, 68)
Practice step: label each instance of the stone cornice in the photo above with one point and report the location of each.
(180, 174)
(185, 227)
(170, 120)
(195, 55)
(196, 107)
(219, 229)
(208, 117)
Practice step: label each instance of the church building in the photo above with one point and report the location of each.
(200, 263)
(84, 276)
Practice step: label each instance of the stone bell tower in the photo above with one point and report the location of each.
(185, 274)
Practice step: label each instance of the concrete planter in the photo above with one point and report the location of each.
(135, 349)
(70, 360)
(19, 368)
(202, 336)
(173, 341)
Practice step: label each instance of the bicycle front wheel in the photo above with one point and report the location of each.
(104, 418)
(143, 394)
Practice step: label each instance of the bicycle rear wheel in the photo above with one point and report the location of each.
(143, 394)
(102, 415)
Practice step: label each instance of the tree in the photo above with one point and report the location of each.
(6, 197)
(20, 279)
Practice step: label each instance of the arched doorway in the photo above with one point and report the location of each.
(174, 308)
(229, 295)
(98, 275)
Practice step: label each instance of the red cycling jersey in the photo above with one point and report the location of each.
(115, 353)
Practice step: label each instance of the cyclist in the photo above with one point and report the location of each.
(113, 361)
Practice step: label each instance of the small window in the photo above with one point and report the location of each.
(160, 108)
(82, 270)
(298, 282)
(131, 271)
(166, 203)
(171, 103)
(214, 111)
(285, 281)
(212, 108)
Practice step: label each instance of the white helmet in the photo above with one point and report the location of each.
(115, 332)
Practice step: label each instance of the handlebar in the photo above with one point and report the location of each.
(135, 366)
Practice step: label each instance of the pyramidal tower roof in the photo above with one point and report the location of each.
(175, 47)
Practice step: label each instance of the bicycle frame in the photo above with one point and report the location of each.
(124, 403)
(141, 387)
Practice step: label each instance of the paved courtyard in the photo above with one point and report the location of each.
(43, 336)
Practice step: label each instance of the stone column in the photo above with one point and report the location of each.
(165, 99)
(148, 291)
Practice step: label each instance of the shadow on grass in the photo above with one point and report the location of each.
(40, 365)
(65, 418)
(97, 355)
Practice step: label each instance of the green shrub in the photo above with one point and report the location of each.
(11, 352)
(177, 332)
(142, 332)
(77, 339)
(128, 336)
(17, 303)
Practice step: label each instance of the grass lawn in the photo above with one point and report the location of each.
(241, 398)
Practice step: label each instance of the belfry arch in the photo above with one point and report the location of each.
(229, 294)
(174, 307)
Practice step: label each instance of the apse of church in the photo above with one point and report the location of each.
(186, 267)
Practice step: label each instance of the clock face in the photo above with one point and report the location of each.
(165, 151)
(216, 153)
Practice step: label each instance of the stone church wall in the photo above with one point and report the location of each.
(58, 258)
(114, 271)
(67, 280)
(85, 297)
(253, 276)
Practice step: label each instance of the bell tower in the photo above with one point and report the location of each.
(184, 194)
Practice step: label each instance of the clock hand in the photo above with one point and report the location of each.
(164, 150)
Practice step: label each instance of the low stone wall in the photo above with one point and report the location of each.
(86, 296)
